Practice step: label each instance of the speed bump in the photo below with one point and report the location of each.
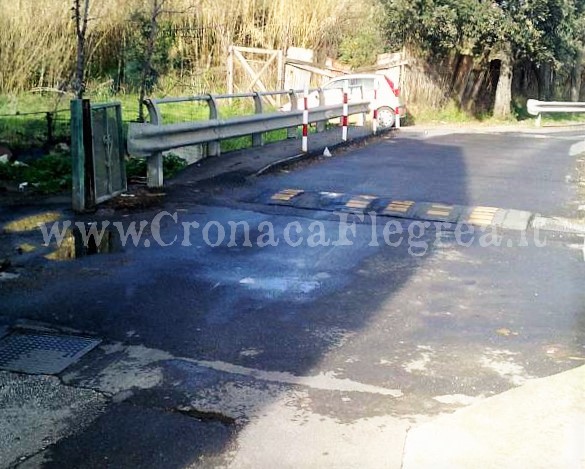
(398, 207)
(359, 203)
(329, 201)
(286, 195)
(481, 216)
(440, 210)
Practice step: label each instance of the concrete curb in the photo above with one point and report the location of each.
(538, 425)
(559, 225)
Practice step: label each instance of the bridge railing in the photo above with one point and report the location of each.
(151, 139)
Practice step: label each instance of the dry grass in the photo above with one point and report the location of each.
(37, 46)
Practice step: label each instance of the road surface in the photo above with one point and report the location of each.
(331, 348)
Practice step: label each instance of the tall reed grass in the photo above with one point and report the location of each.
(37, 41)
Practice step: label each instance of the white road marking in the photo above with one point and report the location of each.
(324, 381)
(138, 368)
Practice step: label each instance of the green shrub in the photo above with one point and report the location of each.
(172, 164)
(49, 174)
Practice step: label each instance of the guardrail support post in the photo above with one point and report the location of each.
(292, 131)
(538, 121)
(257, 138)
(154, 163)
(321, 125)
(213, 148)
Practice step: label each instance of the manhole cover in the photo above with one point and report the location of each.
(46, 354)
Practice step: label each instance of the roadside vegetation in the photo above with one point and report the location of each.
(52, 173)
(49, 174)
(489, 57)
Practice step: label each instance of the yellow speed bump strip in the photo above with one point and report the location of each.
(399, 206)
(482, 216)
(360, 202)
(286, 194)
(439, 210)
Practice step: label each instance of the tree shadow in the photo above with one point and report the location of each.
(282, 309)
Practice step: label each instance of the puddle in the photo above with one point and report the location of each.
(31, 222)
(76, 244)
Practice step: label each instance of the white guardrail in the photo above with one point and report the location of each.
(537, 108)
(151, 139)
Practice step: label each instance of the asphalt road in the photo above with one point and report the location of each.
(311, 356)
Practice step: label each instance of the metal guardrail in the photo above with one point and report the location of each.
(151, 139)
(145, 139)
(537, 108)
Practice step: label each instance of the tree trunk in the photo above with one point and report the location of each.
(576, 76)
(147, 68)
(545, 82)
(472, 103)
(502, 105)
(81, 18)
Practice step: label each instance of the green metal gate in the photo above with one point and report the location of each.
(98, 151)
(109, 171)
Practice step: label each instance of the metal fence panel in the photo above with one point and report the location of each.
(108, 151)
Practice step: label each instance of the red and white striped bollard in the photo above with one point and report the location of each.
(344, 117)
(305, 142)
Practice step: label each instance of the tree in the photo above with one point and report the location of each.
(148, 71)
(80, 16)
(504, 87)
(579, 52)
(543, 32)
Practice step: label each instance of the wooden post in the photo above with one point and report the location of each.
(292, 131)
(230, 70)
(280, 76)
(50, 137)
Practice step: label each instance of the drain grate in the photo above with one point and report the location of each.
(46, 354)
